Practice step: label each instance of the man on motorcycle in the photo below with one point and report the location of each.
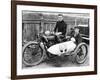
(61, 26)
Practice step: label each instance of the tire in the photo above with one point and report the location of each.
(81, 53)
(31, 56)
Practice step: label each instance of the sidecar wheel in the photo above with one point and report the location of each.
(32, 54)
(81, 53)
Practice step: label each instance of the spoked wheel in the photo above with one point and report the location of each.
(82, 52)
(32, 54)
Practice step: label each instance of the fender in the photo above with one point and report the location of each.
(75, 51)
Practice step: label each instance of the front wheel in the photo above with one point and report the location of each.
(32, 54)
(81, 53)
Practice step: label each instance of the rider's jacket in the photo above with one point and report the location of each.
(61, 26)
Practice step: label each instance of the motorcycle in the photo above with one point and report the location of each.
(35, 52)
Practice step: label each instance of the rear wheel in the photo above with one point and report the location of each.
(81, 53)
(32, 54)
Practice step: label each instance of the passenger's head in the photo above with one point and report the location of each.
(76, 29)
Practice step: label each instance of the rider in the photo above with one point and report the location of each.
(77, 35)
(61, 26)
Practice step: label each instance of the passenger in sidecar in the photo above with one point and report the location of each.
(68, 46)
